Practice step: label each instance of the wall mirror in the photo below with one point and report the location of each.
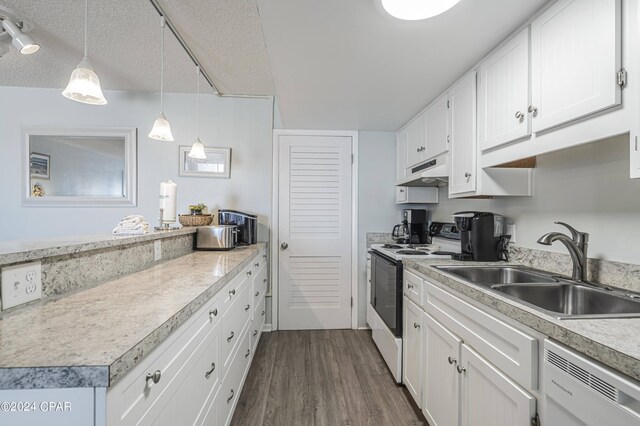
(216, 165)
(80, 167)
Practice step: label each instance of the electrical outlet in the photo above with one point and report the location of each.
(511, 230)
(157, 250)
(21, 284)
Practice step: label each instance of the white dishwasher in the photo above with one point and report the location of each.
(580, 391)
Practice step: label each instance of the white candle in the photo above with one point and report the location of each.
(168, 192)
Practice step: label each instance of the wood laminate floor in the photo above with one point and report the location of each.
(322, 377)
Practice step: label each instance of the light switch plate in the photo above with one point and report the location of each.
(511, 230)
(157, 250)
(21, 284)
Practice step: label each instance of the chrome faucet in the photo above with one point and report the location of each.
(577, 245)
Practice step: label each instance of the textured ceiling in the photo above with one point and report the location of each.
(344, 64)
(124, 45)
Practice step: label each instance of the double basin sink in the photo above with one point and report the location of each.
(554, 295)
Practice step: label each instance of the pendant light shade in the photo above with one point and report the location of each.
(161, 128)
(197, 149)
(84, 84)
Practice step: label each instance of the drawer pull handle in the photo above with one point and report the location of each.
(416, 325)
(232, 292)
(208, 373)
(461, 369)
(264, 281)
(213, 312)
(452, 360)
(262, 313)
(248, 353)
(257, 265)
(230, 337)
(255, 333)
(257, 293)
(519, 115)
(155, 376)
(247, 308)
(231, 397)
(249, 273)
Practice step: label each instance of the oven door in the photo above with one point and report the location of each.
(386, 291)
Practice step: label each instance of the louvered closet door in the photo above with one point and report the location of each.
(314, 232)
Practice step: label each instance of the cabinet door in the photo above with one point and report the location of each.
(441, 380)
(489, 398)
(462, 111)
(575, 55)
(503, 96)
(436, 128)
(412, 350)
(401, 154)
(416, 133)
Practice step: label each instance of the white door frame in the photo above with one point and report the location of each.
(275, 253)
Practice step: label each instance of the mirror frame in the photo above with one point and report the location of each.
(130, 168)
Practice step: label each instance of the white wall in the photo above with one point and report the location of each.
(377, 210)
(587, 187)
(245, 125)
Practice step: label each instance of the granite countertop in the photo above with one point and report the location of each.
(93, 337)
(27, 250)
(613, 342)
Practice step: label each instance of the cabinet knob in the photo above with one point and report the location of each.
(467, 175)
(409, 286)
(248, 353)
(257, 265)
(262, 313)
(208, 373)
(417, 149)
(416, 325)
(249, 273)
(247, 308)
(452, 360)
(532, 109)
(232, 292)
(255, 333)
(519, 115)
(461, 369)
(264, 255)
(284, 246)
(264, 280)
(230, 337)
(155, 377)
(257, 293)
(213, 312)
(401, 190)
(231, 397)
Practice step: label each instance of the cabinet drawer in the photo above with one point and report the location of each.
(258, 323)
(234, 322)
(260, 284)
(129, 399)
(413, 287)
(231, 291)
(511, 350)
(231, 386)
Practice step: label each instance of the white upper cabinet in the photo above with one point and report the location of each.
(436, 117)
(462, 118)
(503, 94)
(401, 154)
(575, 57)
(416, 141)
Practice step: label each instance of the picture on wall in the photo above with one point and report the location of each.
(40, 165)
(216, 165)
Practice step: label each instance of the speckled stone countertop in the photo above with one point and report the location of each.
(613, 342)
(23, 251)
(93, 337)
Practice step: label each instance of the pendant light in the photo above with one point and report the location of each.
(197, 149)
(161, 128)
(84, 84)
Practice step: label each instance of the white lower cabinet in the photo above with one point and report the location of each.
(412, 349)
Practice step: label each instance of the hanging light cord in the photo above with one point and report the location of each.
(86, 24)
(198, 104)
(162, 65)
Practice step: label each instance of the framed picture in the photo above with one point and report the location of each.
(39, 166)
(216, 165)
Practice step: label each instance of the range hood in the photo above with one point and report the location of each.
(432, 173)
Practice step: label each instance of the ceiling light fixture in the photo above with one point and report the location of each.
(415, 10)
(197, 149)
(21, 41)
(161, 128)
(84, 84)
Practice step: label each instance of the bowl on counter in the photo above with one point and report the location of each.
(195, 219)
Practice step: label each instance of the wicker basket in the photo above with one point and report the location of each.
(195, 219)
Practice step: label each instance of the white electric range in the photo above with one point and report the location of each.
(384, 314)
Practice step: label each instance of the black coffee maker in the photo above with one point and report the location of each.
(482, 237)
(413, 229)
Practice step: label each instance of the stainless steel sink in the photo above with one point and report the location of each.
(573, 300)
(492, 275)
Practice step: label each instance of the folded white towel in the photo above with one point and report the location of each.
(131, 229)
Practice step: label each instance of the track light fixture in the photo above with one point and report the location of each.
(22, 42)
